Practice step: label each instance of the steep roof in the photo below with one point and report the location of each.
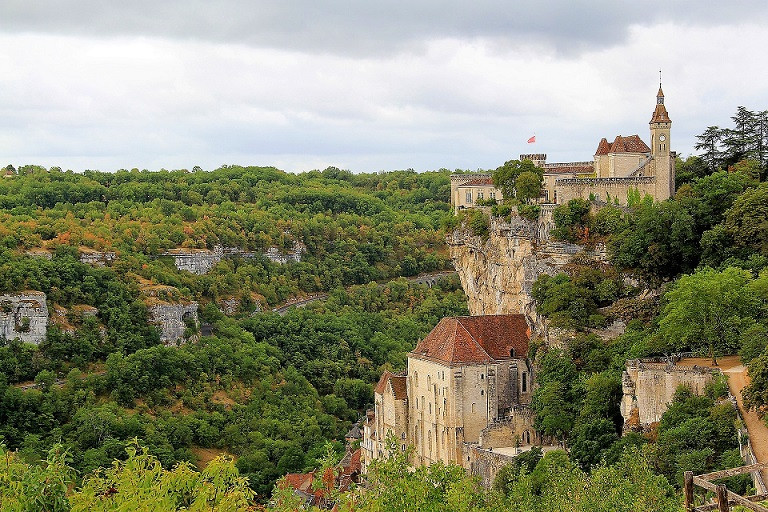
(660, 114)
(630, 144)
(603, 148)
(396, 382)
(354, 433)
(476, 339)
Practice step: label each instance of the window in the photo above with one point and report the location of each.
(512, 352)
(482, 376)
(469, 197)
(479, 195)
(430, 407)
(482, 392)
(525, 382)
(492, 195)
(473, 407)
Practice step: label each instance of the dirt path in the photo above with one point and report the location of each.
(737, 380)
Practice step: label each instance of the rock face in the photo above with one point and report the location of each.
(24, 315)
(649, 384)
(96, 258)
(173, 319)
(498, 274)
(201, 261)
(197, 261)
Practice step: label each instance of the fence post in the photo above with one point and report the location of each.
(722, 499)
(688, 490)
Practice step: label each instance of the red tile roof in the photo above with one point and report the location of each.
(396, 382)
(630, 144)
(477, 182)
(300, 481)
(603, 148)
(476, 339)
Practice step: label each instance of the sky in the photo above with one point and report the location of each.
(360, 85)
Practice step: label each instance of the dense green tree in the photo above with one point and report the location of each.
(707, 311)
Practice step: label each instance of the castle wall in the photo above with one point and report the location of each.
(486, 464)
(515, 430)
(602, 188)
(24, 316)
(648, 389)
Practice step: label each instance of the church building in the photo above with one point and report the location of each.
(468, 385)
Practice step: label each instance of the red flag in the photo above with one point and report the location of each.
(532, 140)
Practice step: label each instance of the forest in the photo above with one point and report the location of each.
(101, 415)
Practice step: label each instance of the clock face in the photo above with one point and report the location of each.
(662, 138)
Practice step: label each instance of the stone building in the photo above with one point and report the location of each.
(626, 166)
(468, 383)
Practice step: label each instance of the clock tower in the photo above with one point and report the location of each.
(663, 163)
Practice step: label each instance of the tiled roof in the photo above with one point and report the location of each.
(477, 182)
(354, 433)
(660, 114)
(397, 383)
(476, 339)
(300, 481)
(603, 148)
(630, 144)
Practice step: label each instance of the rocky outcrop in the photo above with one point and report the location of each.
(96, 258)
(196, 261)
(173, 320)
(498, 273)
(24, 316)
(201, 261)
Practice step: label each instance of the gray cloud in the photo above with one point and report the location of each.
(354, 27)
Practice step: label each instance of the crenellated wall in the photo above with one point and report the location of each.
(649, 385)
(604, 188)
(24, 316)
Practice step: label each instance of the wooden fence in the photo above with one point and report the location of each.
(723, 497)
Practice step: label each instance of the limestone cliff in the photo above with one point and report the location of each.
(497, 274)
(24, 316)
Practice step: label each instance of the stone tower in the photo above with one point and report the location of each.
(663, 161)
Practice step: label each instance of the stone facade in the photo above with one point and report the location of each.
(626, 166)
(24, 316)
(172, 319)
(468, 374)
(649, 385)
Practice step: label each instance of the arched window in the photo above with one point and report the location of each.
(482, 392)
(512, 352)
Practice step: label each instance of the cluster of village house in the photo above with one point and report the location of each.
(465, 396)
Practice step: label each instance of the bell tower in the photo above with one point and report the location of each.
(663, 163)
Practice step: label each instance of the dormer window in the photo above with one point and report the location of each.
(512, 352)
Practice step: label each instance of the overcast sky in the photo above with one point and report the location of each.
(362, 85)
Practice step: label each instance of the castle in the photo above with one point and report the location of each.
(625, 166)
(465, 395)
